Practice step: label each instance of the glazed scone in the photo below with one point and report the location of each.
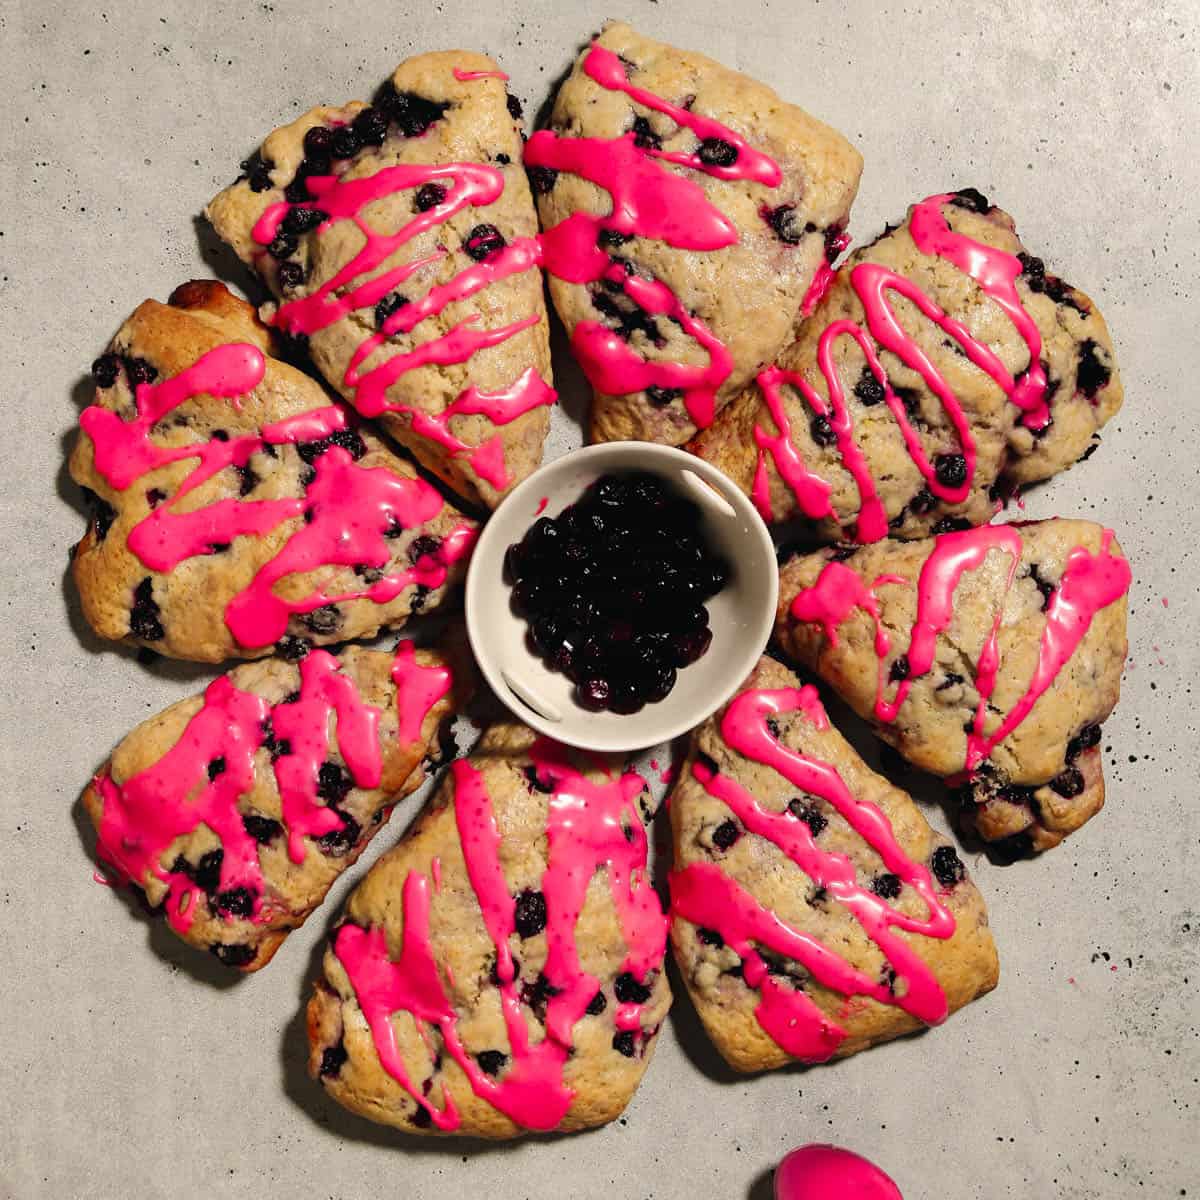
(400, 240)
(814, 911)
(233, 812)
(907, 405)
(988, 656)
(236, 505)
(501, 969)
(687, 212)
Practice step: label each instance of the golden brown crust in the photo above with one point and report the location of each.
(477, 127)
(291, 890)
(602, 1079)
(1005, 450)
(749, 294)
(965, 965)
(192, 598)
(1012, 794)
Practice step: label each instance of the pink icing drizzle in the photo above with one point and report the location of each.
(143, 816)
(704, 895)
(466, 184)
(1088, 584)
(469, 76)
(995, 271)
(647, 202)
(347, 507)
(820, 1172)
(585, 833)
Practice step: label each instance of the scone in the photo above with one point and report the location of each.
(987, 656)
(942, 367)
(500, 970)
(814, 911)
(234, 811)
(401, 241)
(689, 215)
(235, 505)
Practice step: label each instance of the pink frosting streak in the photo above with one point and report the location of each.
(200, 780)
(995, 271)
(590, 827)
(703, 894)
(820, 1172)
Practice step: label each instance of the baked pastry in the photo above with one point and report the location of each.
(814, 911)
(689, 215)
(908, 403)
(236, 506)
(400, 239)
(233, 812)
(987, 656)
(501, 969)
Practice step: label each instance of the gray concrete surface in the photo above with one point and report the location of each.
(129, 1071)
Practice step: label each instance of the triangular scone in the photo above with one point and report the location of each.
(236, 505)
(400, 240)
(907, 397)
(234, 812)
(501, 969)
(814, 911)
(687, 213)
(988, 656)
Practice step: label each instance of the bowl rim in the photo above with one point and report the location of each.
(652, 453)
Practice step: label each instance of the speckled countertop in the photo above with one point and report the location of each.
(131, 1069)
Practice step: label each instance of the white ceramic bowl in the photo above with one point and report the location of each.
(740, 616)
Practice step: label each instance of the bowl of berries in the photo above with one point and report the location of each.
(620, 594)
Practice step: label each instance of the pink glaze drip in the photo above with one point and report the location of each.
(824, 276)
(541, 508)
(820, 1172)
(144, 816)
(704, 895)
(1088, 584)
(647, 202)
(345, 504)
(995, 271)
(585, 833)
(470, 76)
(466, 184)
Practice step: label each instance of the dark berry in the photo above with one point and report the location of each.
(261, 829)
(810, 814)
(1091, 374)
(503, 159)
(597, 1004)
(391, 303)
(628, 990)
(710, 937)
(236, 902)
(233, 955)
(786, 223)
(106, 369)
(103, 513)
(216, 767)
(345, 142)
(370, 127)
(688, 647)
(483, 241)
(296, 192)
(595, 693)
(660, 397)
(726, 834)
(491, 1062)
(1086, 739)
(425, 546)
(333, 783)
(716, 152)
(951, 525)
(421, 1117)
(318, 142)
(1068, 783)
(1034, 271)
(529, 915)
(624, 1043)
(514, 106)
(333, 1058)
(1043, 585)
(322, 620)
(420, 595)
(644, 135)
(542, 179)
(429, 195)
(970, 198)
(140, 371)
(868, 389)
(340, 841)
(886, 885)
(144, 622)
(947, 866)
(822, 431)
(923, 503)
(612, 238)
(290, 276)
(951, 470)
(292, 649)
(302, 220)
(413, 114)
(283, 245)
(900, 669)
